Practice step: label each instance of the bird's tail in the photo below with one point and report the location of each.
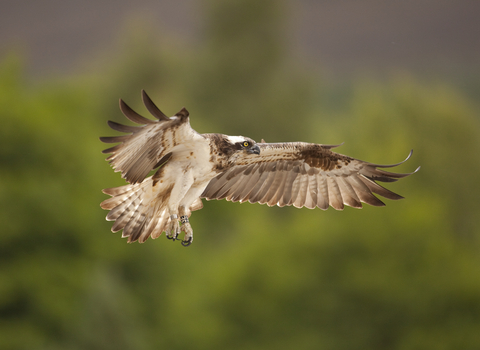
(141, 209)
(135, 210)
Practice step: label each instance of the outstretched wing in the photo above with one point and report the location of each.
(148, 146)
(302, 174)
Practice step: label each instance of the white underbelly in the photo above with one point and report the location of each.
(195, 157)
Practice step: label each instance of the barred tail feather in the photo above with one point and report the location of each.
(138, 210)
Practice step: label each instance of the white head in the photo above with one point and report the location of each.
(236, 139)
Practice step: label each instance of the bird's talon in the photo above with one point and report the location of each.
(187, 242)
(173, 230)
(174, 237)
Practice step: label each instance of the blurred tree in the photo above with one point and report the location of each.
(401, 277)
(243, 78)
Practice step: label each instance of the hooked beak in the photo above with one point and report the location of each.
(255, 149)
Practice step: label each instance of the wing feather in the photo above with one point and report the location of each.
(349, 196)
(216, 184)
(279, 193)
(322, 186)
(140, 151)
(302, 192)
(114, 139)
(363, 192)
(270, 189)
(115, 191)
(123, 128)
(303, 174)
(287, 190)
(235, 193)
(335, 196)
(295, 189)
(312, 190)
(376, 188)
(265, 187)
(152, 108)
(255, 193)
(247, 190)
(132, 115)
(231, 182)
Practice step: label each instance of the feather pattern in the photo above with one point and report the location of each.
(141, 150)
(303, 174)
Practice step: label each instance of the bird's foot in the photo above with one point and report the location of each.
(173, 229)
(187, 228)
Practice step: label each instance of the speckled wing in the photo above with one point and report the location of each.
(302, 174)
(148, 146)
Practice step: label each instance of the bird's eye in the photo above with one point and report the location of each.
(246, 144)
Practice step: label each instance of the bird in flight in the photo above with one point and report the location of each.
(189, 166)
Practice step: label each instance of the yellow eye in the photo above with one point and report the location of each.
(246, 144)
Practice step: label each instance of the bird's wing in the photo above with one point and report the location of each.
(302, 174)
(148, 146)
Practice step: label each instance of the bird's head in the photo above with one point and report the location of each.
(245, 144)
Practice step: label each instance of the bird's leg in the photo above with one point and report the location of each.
(173, 230)
(186, 227)
(179, 190)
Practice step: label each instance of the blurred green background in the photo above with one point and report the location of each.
(406, 276)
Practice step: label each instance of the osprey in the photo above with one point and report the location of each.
(191, 166)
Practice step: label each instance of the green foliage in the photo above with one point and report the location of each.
(242, 78)
(406, 276)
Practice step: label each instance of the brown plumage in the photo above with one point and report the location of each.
(191, 166)
(303, 174)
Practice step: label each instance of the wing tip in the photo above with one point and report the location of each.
(333, 146)
(396, 164)
(152, 108)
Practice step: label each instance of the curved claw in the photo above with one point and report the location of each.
(187, 243)
(187, 240)
(173, 230)
(174, 237)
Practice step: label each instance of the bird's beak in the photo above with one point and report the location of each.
(255, 149)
